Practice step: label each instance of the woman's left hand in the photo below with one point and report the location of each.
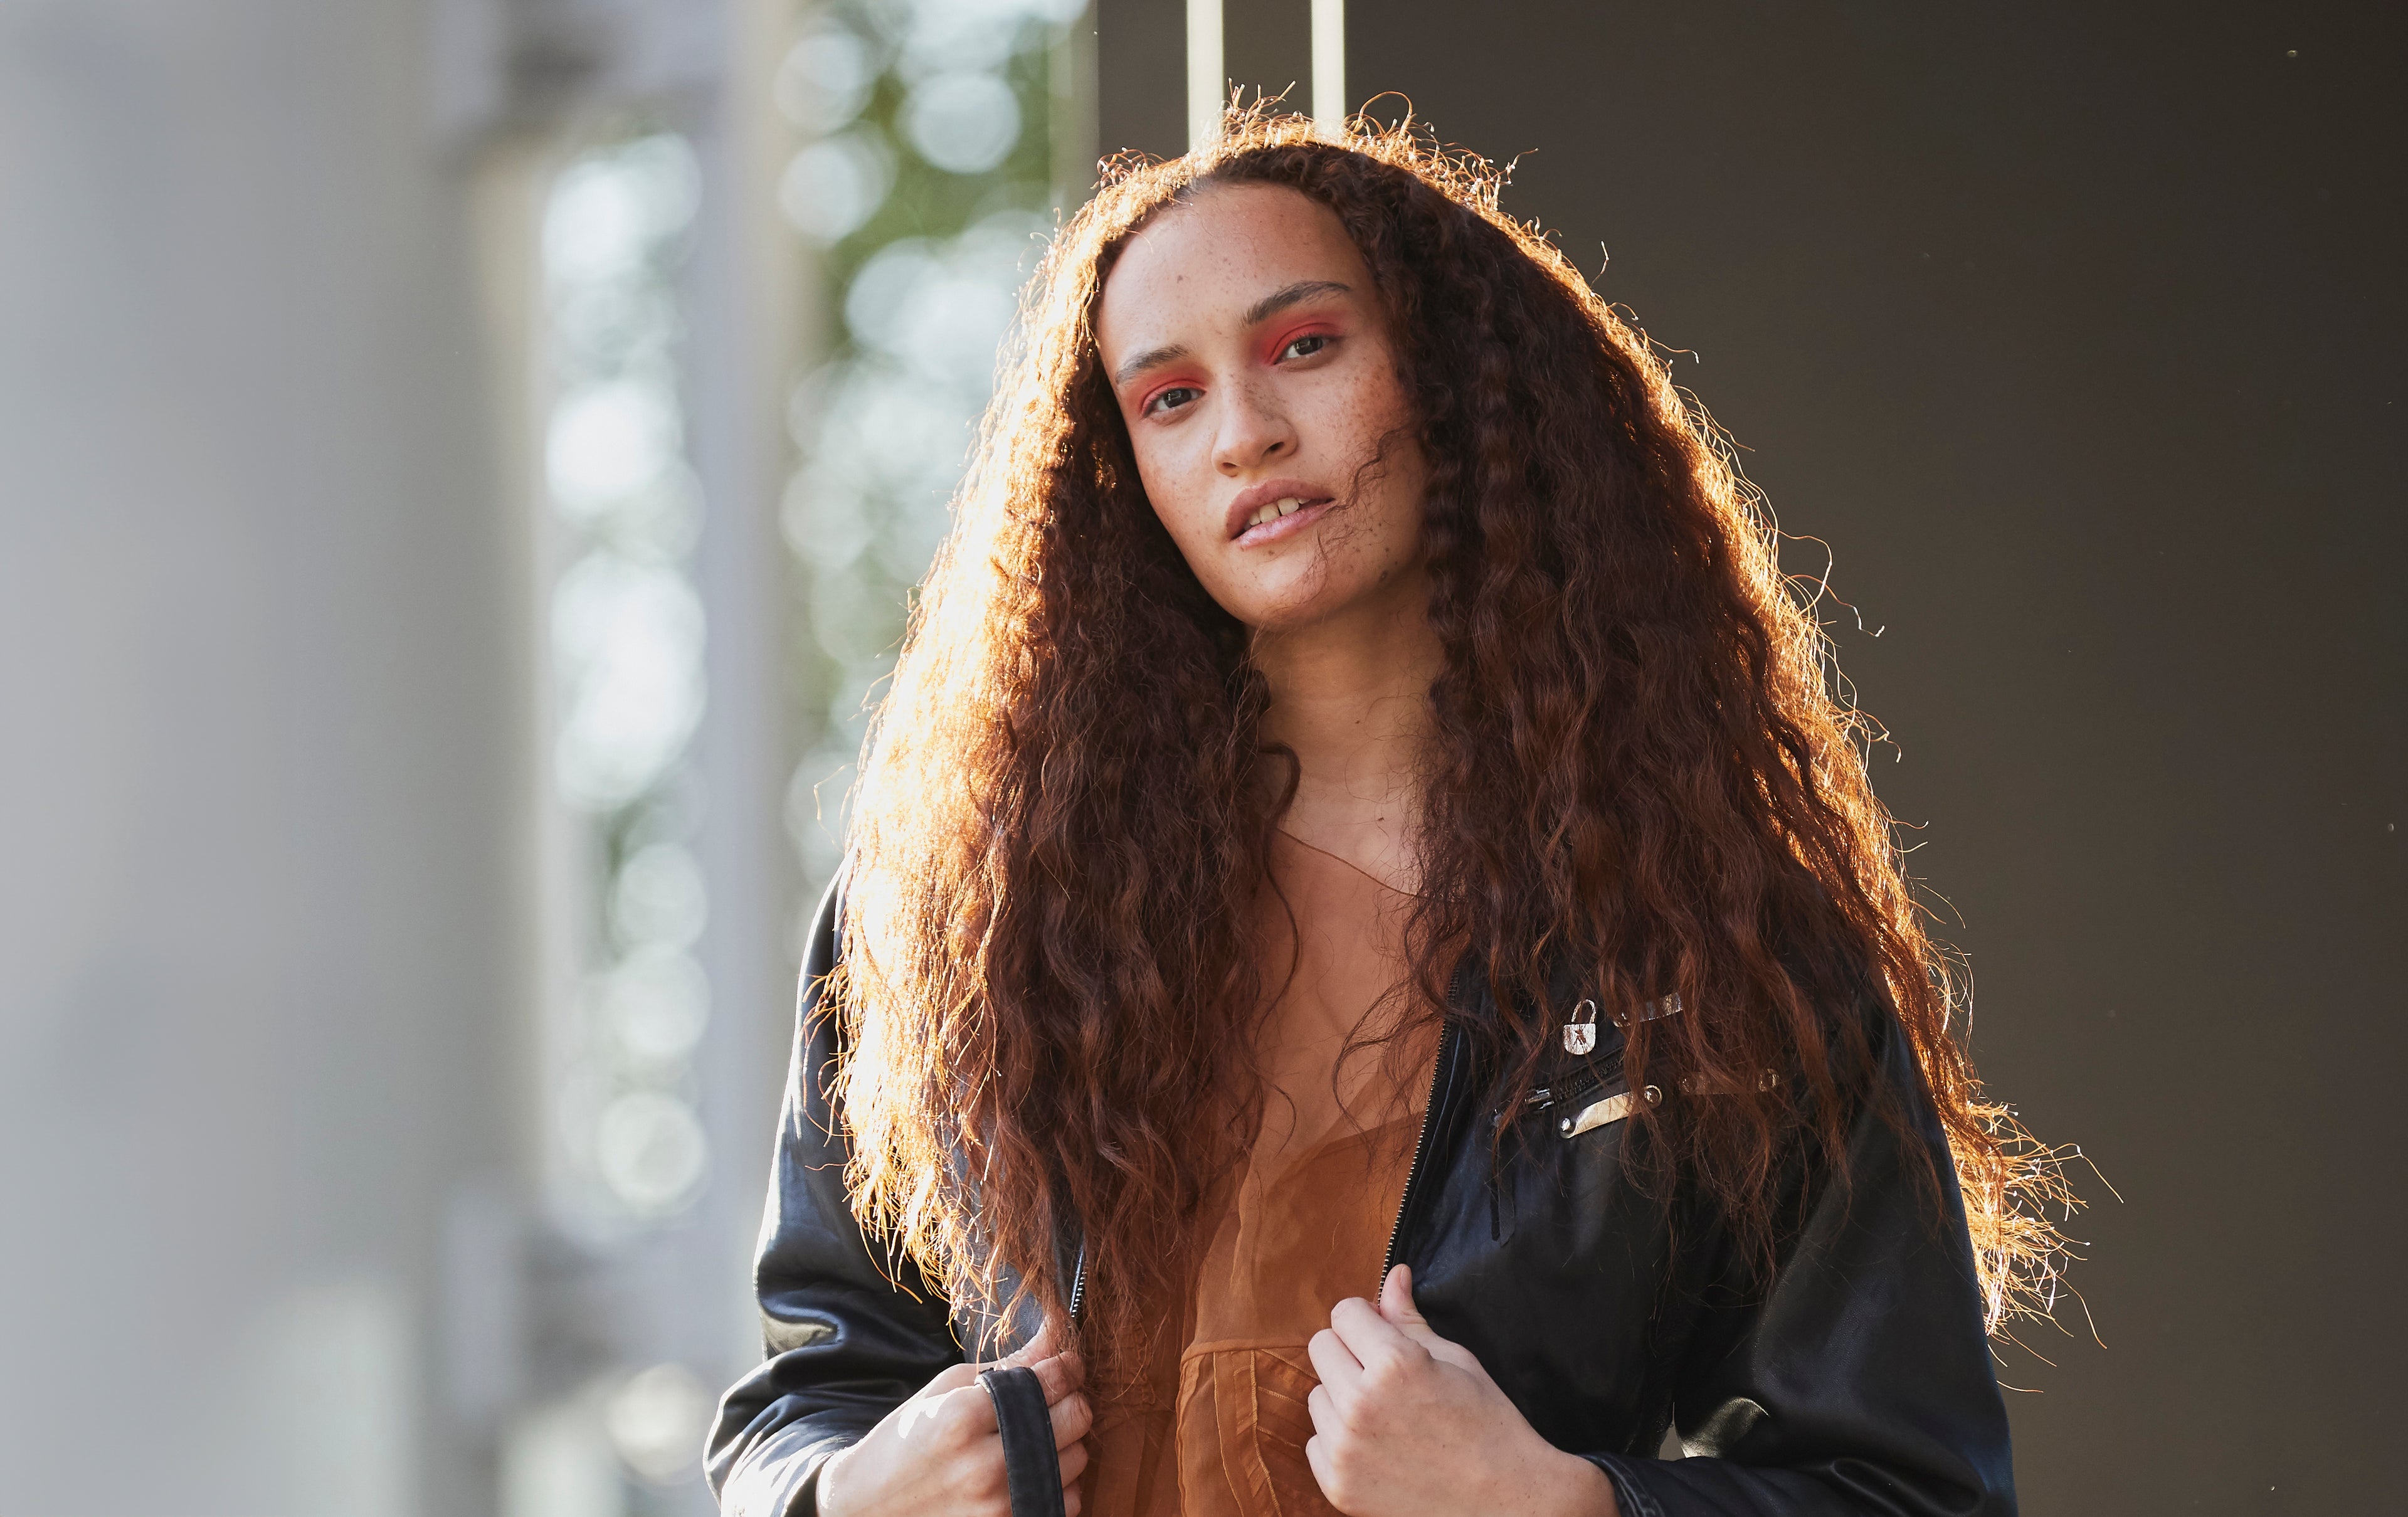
(1406, 1422)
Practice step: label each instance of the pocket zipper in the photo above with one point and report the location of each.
(1590, 1115)
(1601, 1113)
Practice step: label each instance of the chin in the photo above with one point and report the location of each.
(1290, 613)
(1306, 589)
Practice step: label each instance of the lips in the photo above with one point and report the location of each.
(1259, 506)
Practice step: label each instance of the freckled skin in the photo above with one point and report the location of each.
(1309, 393)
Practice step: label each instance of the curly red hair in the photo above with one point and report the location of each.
(1640, 770)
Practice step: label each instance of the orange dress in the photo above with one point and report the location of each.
(1219, 1429)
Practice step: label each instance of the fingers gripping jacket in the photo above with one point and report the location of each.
(1031, 1465)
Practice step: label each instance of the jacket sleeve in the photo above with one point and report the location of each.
(850, 1335)
(1861, 1382)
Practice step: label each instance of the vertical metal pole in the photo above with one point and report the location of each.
(1328, 61)
(1207, 82)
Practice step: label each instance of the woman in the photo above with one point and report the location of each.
(1368, 957)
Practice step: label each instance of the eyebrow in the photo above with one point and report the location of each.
(1302, 290)
(1261, 310)
(1146, 360)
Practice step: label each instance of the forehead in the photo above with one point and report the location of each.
(1215, 255)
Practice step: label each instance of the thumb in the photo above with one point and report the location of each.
(1039, 1347)
(1397, 1308)
(1397, 1305)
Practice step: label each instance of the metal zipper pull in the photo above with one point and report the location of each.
(1602, 1113)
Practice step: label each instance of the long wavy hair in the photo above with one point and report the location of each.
(1641, 768)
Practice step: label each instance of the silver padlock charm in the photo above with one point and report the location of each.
(1580, 1033)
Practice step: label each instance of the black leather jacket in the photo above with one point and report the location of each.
(1858, 1382)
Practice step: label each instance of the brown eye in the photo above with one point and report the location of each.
(1172, 398)
(1306, 346)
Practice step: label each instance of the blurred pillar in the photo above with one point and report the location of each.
(626, 1322)
(262, 613)
(270, 623)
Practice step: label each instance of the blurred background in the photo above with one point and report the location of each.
(461, 467)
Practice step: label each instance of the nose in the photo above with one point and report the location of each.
(1253, 432)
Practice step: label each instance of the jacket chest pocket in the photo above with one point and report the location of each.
(1586, 1100)
(1585, 1096)
(1601, 1110)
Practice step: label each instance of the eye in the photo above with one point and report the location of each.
(1304, 347)
(1171, 399)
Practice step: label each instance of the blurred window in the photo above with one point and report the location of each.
(626, 641)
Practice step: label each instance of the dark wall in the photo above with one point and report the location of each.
(1142, 56)
(2074, 330)
(1141, 64)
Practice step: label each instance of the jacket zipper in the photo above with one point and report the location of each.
(1079, 1281)
(1571, 1090)
(1421, 1140)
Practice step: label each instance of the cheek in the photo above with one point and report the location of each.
(1361, 419)
(1372, 428)
(1179, 491)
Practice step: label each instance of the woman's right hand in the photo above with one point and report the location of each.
(939, 1454)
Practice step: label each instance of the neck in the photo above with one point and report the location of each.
(1350, 697)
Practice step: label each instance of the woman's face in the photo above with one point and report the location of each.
(1254, 370)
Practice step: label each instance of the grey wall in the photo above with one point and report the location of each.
(260, 759)
(2074, 329)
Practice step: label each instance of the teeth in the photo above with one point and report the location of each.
(1285, 505)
